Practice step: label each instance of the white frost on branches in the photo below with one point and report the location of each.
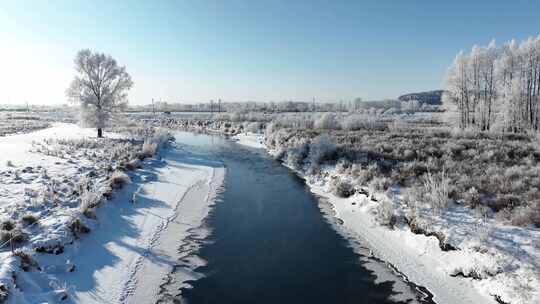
(100, 87)
(496, 88)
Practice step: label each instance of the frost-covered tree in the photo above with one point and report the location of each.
(519, 77)
(100, 88)
(458, 88)
(327, 121)
(493, 82)
(488, 87)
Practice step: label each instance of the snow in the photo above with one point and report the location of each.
(510, 267)
(184, 223)
(154, 224)
(133, 242)
(250, 139)
(18, 148)
(416, 262)
(136, 245)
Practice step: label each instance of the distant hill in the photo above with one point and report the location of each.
(430, 97)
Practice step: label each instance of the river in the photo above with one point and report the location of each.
(271, 241)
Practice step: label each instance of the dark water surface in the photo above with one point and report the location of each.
(269, 241)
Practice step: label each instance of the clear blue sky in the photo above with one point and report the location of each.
(251, 50)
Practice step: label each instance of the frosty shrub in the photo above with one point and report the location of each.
(397, 125)
(149, 148)
(380, 183)
(503, 215)
(279, 153)
(409, 154)
(236, 116)
(385, 213)
(361, 121)
(107, 191)
(29, 219)
(321, 149)
(270, 129)
(313, 169)
(5, 236)
(253, 127)
(155, 138)
(410, 106)
(341, 188)
(295, 156)
(472, 197)
(367, 174)
(26, 260)
(77, 227)
(327, 121)
(89, 199)
(299, 121)
(436, 190)
(90, 213)
(16, 236)
(355, 170)
(505, 201)
(82, 185)
(526, 215)
(119, 179)
(7, 225)
(133, 164)
(342, 166)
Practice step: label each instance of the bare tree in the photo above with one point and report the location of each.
(458, 88)
(493, 82)
(100, 87)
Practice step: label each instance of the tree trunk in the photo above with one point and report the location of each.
(99, 133)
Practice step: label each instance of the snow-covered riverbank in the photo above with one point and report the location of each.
(134, 236)
(195, 185)
(505, 272)
(250, 139)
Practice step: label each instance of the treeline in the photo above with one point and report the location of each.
(355, 106)
(250, 106)
(496, 87)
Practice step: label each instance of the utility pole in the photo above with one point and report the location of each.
(219, 105)
(211, 107)
(153, 108)
(313, 105)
